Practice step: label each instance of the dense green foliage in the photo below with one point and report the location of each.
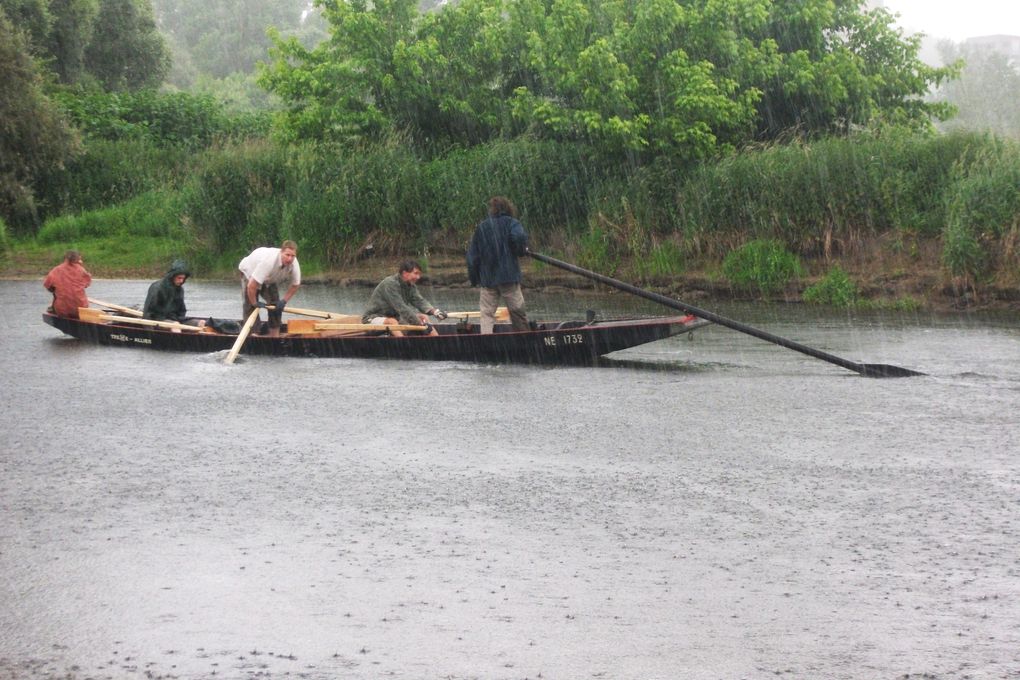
(684, 78)
(151, 214)
(110, 42)
(836, 289)
(126, 51)
(33, 18)
(164, 119)
(821, 198)
(35, 138)
(764, 266)
(661, 134)
(69, 34)
(663, 260)
(136, 142)
(982, 230)
(335, 199)
(109, 172)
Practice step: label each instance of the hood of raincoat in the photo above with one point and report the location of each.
(178, 267)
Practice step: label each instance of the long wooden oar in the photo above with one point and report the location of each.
(502, 313)
(120, 308)
(242, 336)
(98, 316)
(314, 326)
(311, 312)
(869, 370)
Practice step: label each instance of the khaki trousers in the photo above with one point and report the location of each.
(488, 300)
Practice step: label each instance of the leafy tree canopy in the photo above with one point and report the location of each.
(35, 139)
(30, 16)
(126, 51)
(112, 43)
(687, 78)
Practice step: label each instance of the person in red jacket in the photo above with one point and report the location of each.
(68, 281)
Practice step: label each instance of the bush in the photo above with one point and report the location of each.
(235, 196)
(332, 199)
(547, 181)
(762, 265)
(165, 119)
(832, 191)
(962, 253)
(378, 189)
(110, 172)
(597, 251)
(835, 289)
(154, 214)
(983, 212)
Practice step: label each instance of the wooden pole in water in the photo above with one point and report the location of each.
(868, 370)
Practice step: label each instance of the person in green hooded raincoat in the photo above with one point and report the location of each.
(165, 300)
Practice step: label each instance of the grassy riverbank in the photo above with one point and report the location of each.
(885, 274)
(885, 218)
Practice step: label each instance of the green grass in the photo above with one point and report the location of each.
(664, 260)
(105, 257)
(762, 265)
(597, 251)
(835, 289)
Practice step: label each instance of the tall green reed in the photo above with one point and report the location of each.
(982, 231)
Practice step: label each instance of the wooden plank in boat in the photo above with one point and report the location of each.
(305, 326)
(89, 315)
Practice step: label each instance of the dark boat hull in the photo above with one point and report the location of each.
(573, 342)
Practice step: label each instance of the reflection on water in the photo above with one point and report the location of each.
(712, 506)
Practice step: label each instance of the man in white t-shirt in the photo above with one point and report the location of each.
(261, 273)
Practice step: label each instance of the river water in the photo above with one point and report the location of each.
(710, 507)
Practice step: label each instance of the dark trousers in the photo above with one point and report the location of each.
(268, 292)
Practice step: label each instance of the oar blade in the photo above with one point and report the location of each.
(887, 371)
(242, 336)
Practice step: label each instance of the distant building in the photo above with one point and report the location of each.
(1008, 45)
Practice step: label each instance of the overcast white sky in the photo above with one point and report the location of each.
(958, 19)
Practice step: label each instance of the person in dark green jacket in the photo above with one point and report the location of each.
(165, 300)
(396, 300)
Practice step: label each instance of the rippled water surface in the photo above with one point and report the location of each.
(712, 507)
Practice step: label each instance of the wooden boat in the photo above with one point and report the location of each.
(549, 342)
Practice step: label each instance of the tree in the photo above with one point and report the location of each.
(841, 67)
(342, 88)
(126, 51)
(33, 18)
(35, 139)
(70, 34)
(684, 78)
